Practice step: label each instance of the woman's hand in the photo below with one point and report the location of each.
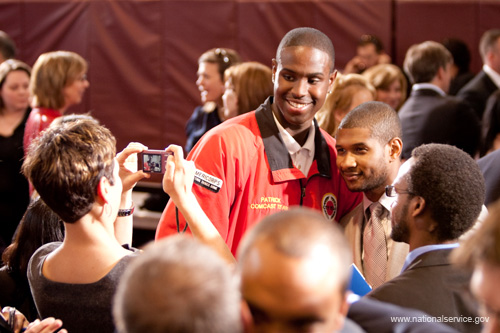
(127, 160)
(15, 318)
(48, 325)
(178, 177)
(178, 183)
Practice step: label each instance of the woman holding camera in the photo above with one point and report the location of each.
(74, 169)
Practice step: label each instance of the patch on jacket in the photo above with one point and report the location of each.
(329, 206)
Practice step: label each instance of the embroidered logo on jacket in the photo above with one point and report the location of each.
(329, 206)
(269, 203)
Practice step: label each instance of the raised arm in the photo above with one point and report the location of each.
(177, 182)
(127, 160)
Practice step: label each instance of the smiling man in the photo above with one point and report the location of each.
(275, 157)
(369, 147)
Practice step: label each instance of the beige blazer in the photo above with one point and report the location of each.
(397, 252)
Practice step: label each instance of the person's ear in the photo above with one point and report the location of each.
(342, 314)
(103, 188)
(418, 206)
(395, 148)
(246, 317)
(331, 80)
(441, 74)
(274, 69)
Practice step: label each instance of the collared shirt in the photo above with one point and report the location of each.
(494, 76)
(420, 86)
(302, 157)
(424, 249)
(386, 202)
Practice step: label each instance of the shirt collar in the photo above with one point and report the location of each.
(494, 76)
(292, 145)
(384, 200)
(424, 249)
(420, 86)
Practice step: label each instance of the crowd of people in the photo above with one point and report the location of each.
(294, 174)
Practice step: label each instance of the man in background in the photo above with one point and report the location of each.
(430, 115)
(477, 91)
(369, 52)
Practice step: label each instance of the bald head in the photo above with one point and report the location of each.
(298, 233)
(295, 269)
(178, 285)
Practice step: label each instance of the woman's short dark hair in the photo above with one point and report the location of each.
(66, 162)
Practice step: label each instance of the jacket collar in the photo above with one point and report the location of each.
(277, 154)
(437, 257)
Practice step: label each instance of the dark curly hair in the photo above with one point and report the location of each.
(452, 185)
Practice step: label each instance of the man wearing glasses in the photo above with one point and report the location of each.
(369, 146)
(439, 193)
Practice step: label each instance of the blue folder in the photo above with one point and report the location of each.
(358, 285)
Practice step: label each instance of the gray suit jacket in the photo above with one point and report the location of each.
(431, 284)
(353, 230)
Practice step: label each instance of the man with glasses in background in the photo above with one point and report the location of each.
(439, 193)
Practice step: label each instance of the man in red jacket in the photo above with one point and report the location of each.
(275, 157)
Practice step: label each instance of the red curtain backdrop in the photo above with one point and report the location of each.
(143, 54)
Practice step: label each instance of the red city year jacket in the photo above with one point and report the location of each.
(258, 177)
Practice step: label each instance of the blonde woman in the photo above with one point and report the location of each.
(58, 81)
(390, 83)
(247, 86)
(348, 92)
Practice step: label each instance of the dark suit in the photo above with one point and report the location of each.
(431, 284)
(375, 316)
(491, 123)
(490, 167)
(477, 91)
(428, 117)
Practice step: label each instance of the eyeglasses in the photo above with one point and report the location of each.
(82, 77)
(221, 53)
(391, 191)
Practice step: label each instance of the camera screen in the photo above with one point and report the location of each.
(152, 162)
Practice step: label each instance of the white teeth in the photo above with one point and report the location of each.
(297, 105)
